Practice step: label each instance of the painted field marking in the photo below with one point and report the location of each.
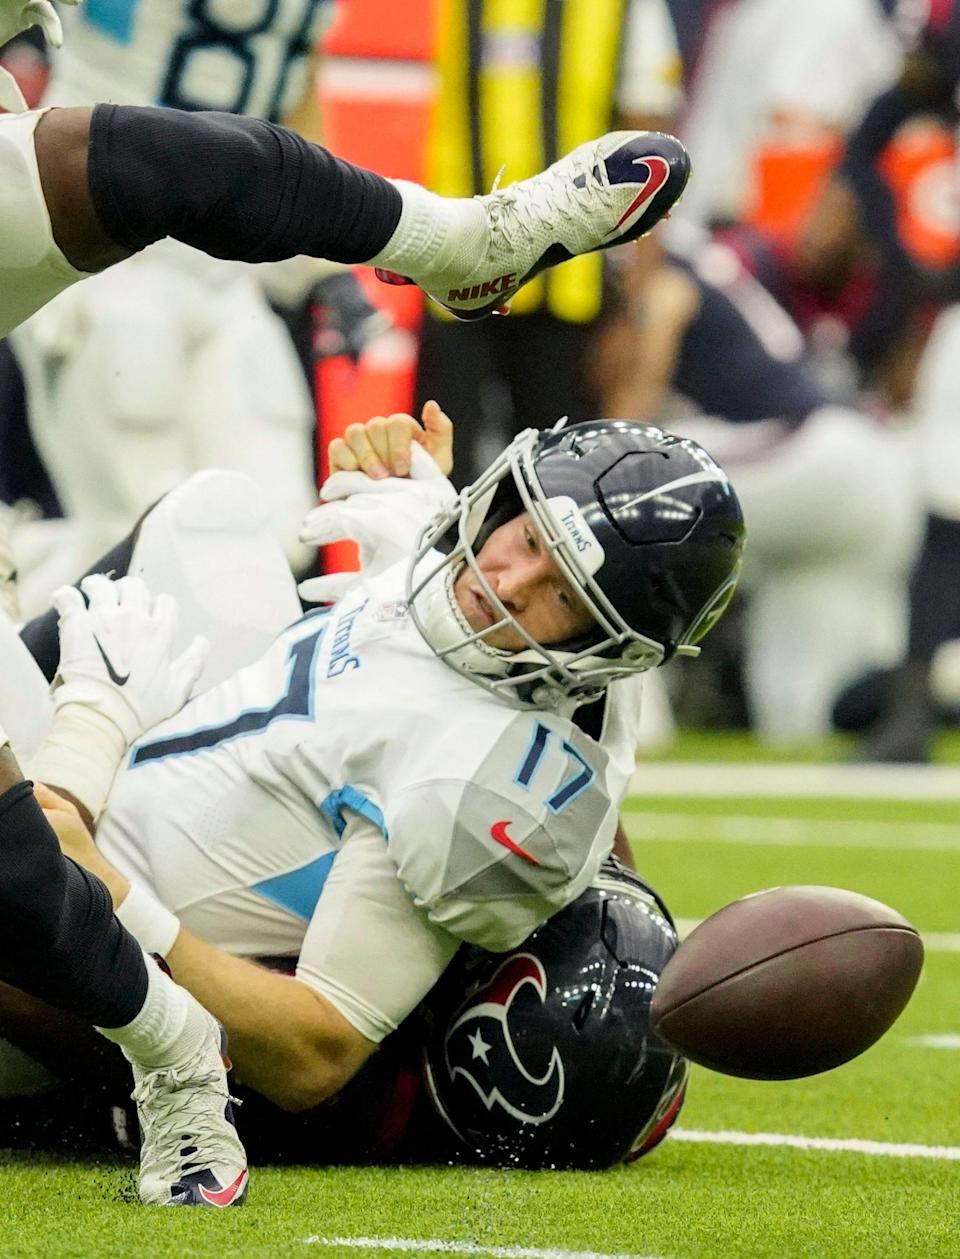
(945, 1040)
(670, 827)
(933, 941)
(846, 1145)
(878, 782)
(418, 1245)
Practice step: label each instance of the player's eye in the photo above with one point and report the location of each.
(565, 598)
(531, 539)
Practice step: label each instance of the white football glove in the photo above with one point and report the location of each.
(385, 516)
(116, 653)
(17, 16)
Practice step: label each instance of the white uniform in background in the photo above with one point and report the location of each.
(172, 361)
(936, 410)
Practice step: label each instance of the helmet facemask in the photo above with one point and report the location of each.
(536, 676)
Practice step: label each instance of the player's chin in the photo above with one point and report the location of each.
(505, 640)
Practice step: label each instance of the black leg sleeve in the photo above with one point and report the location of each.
(232, 186)
(59, 939)
(41, 636)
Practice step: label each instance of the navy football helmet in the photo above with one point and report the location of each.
(544, 1056)
(644, 525)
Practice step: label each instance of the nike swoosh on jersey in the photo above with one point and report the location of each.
(224, 1197)
(498, 831)
(115, 677)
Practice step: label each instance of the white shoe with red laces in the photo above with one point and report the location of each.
(190, 1153)
(604, 193)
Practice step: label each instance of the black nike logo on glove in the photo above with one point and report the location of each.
(115, 677)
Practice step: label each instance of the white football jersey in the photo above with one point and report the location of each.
(232, 811)
(242, 56)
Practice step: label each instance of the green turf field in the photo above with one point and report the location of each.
(694, 1198)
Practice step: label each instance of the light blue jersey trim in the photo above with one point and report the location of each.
(114, 17)
(299, 890)
(350, 798)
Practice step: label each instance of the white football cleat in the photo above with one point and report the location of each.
(604, 193)
(190, 1153)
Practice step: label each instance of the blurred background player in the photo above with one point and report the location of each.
(175, 361)
(764, 70)
(517, 85)
(832, 517)
(863, 204)
(863, 262)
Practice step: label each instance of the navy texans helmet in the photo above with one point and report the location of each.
(643, 524)
(544, 1056)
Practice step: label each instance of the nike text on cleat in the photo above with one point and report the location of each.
(604, 193)
(190, 1154)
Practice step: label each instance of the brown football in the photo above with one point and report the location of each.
(787, 982)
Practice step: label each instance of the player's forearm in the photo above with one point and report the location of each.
(285, 1040)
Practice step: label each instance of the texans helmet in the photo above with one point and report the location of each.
(643, 524)
(545, 1056)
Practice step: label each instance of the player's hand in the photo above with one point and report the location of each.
(116, 653)
(381, 447)
(386, 517)
(20, 15)
(17, 16)
(76, 841)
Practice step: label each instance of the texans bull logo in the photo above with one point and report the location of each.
(479, 1047)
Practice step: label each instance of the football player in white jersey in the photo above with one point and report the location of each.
(209, 376)
(404, 771)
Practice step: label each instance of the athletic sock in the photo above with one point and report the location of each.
(170, 1028)
(433, 233)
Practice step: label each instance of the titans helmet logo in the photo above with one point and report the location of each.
(479, 1047)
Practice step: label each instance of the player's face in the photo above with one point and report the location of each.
(522, 574)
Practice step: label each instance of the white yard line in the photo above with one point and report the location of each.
(881, 782)
(647, 826)
(933, 941)
(430, 1245)
(943, 1040)
(846, 1145)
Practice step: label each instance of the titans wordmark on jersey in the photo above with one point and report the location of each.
(242, 56)
(232, 811)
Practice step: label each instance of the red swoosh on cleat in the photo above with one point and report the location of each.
(659, 171)
(499, 832)
(224, 1197)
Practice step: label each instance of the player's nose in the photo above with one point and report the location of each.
(518, 583)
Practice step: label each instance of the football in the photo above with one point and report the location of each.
(787, 982)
